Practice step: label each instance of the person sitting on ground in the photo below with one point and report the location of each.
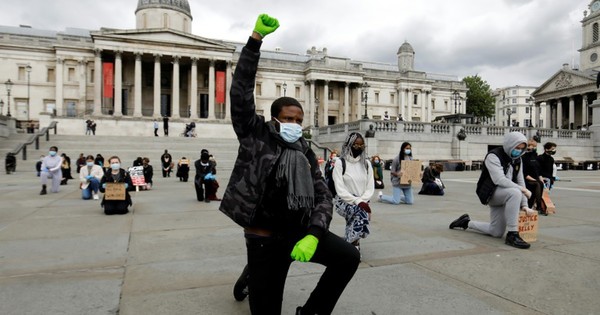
(148, 173)
(116, 175)
(183, 169)
(90, 176)
(547, 166)
(432, 182)
(377, 165)
(506, 195)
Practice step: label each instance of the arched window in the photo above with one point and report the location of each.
(594, 32)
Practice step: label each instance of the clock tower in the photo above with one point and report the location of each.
(589, 54)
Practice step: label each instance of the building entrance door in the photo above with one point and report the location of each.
(165, 105)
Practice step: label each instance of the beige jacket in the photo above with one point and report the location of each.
(96, 171)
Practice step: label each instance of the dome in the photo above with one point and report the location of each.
(406, 47)
(182, 6)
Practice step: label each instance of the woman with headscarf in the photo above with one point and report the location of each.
(354, 185)
(402, 193)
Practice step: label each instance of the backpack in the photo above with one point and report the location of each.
(329, 176)
(485, 186)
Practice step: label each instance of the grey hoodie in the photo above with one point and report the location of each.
(492, 162)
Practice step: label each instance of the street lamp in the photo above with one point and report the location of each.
(316, 112)
(9, 85)
(365, 97)
(508, 112)
(530, 100)
(284, 87)
(28, 69)
(456, 101)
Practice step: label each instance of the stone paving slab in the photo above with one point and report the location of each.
(175, 255)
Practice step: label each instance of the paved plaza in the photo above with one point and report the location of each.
(173, 255)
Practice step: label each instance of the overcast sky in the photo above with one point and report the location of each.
(506, 42)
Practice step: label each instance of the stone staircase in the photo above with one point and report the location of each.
(128, 149)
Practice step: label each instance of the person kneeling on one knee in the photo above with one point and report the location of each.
(90, 176)
(503, 167)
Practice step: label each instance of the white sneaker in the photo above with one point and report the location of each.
(379, 195)
(96, 197)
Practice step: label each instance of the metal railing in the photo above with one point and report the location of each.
(35, 138)
(326, 150)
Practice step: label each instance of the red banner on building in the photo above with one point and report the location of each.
(108, 79)
(220, 88)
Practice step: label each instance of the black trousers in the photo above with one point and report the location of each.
(269, 261)
(203, 192)
(536, 189)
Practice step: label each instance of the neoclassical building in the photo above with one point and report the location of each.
(161, 69)
(569, 92)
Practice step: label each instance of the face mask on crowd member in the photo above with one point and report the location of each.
(288, 114)
(115, 166)
(290, 132)
(89, 163)
(357, 148)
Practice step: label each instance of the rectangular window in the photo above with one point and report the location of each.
(21, 73)
(526, 110)
(514, 110)
(258, 89)
(330, 94)
(51, 76)
(297, 92)
(514, 101)
(415, 99)
(526, 92)
(278, 91)
(71, 75)
(92, 76)
(376, 97)
(433, 104)
(514, 92)
(392, 98)
(445, 105)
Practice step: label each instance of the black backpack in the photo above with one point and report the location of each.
(329, 176)
(485, 186)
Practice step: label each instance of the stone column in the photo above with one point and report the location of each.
(194, 89)
(423, 100)
(59, 87)
(137, 86)
(156, 88)
(346, 101)
(228, 78)
(326, 103)
(548, 117)
(97, 82)
(571, 113)
(82, 85)
(312, 103)
(118, 110)
(409, 105)
(595, 127)
(559, 114)
(428, 101)
(175, 89)
(400, 93)
(211, 90)
(584, 110)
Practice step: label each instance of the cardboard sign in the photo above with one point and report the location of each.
(137, 175)
(114, 191)
(528, 227)
(411, 172)
(550, 207)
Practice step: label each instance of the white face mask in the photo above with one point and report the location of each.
(290, 132)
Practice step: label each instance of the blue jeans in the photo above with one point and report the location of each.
(94, 186)
(401, 195)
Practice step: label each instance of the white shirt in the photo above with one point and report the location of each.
(357, 184)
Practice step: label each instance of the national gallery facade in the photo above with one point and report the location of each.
(161, 69)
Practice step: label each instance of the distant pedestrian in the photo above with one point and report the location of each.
(386, 117)
(155, 124)
(88, 127)
(166, 125)
(93, 127)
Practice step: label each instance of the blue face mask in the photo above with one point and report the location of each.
(52, 153)
(407, 151)
(289, 132)
(90, 164)
(115, 166)
(515, 153)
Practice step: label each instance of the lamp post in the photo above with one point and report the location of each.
(530, 100)
(284, 87)
(9, 85)
(316, 112)
(508, 112)
(1, 107)
(365, 97)
(456, 101)
(28, 69)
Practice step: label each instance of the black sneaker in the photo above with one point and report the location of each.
(43, 192)
(513, 239)
(461, 222)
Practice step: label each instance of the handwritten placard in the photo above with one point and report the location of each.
(528, 227)
(137, 175)
(411, 171)
(114, 191)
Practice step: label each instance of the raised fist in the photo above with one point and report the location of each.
(265, 25)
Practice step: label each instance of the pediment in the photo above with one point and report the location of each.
(565, 80)
(160, 37)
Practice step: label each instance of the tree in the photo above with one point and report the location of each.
(480, 101)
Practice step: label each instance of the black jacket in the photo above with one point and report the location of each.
(259, 152)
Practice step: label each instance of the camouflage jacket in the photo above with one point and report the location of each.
(258, 154)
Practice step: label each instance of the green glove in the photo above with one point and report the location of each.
(305, 248)
(265, 25)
